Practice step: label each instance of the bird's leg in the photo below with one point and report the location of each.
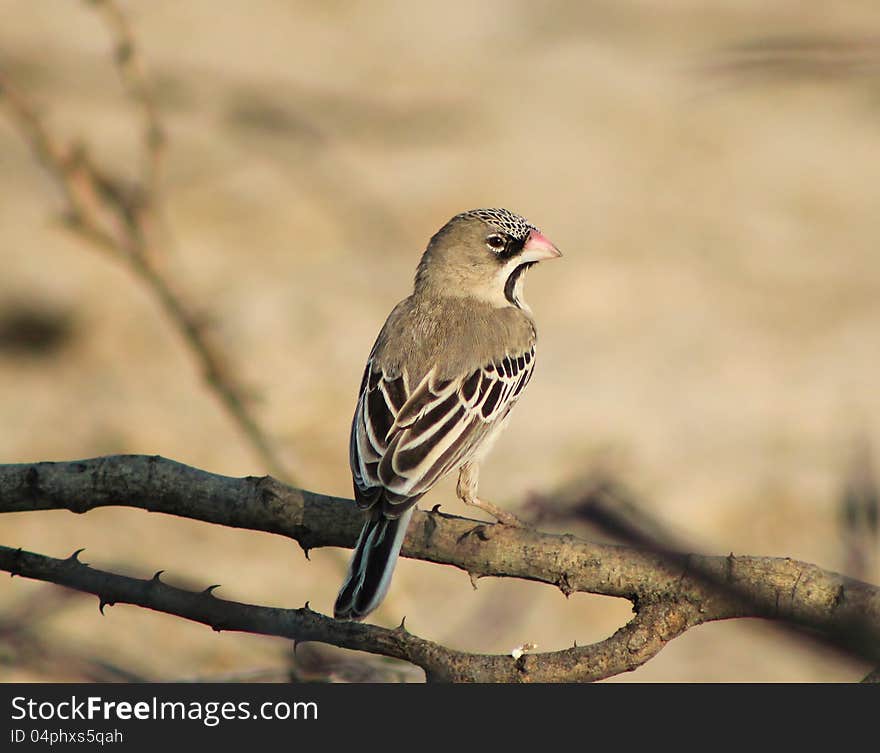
(468, 480)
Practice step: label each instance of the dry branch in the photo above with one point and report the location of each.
(669, 595)
(133, 74)
(122, 218)
(628, 648)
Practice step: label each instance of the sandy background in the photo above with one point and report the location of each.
(711, 334)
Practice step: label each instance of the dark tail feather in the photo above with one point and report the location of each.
(372, 565)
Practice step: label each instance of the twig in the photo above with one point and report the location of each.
(119, 218)
(610, 508)
(859, 511)
(134, 78)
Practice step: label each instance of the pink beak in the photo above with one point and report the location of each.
(538, 248)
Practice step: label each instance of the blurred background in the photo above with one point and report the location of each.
(708, 343)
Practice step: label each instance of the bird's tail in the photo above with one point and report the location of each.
(372, 565)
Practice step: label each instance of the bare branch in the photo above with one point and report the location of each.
(677, 592)
(627, 649)
(134, 78)
(78, 179)
(609, 507)
(119, 218)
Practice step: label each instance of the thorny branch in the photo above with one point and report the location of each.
(122, 219)
(669, 595)
(630, 647)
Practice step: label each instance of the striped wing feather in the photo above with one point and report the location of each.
(403, 442)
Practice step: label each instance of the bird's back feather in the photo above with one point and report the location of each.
(424, 409)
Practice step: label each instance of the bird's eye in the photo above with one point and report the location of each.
(495, 242)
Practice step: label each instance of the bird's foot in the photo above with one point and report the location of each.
(502, 516)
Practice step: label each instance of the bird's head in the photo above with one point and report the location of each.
(483, 253)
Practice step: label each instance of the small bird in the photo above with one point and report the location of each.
(447, 367)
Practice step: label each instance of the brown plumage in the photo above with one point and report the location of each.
(449, 364)
(425, 332)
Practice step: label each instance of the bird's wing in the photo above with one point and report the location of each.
(404, 440)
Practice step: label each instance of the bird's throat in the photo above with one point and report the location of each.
(513, 288)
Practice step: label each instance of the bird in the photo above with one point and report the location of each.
(448, 365)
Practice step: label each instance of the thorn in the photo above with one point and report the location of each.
(401, 628)
(485, 532)
(216, 628)
(482, 532)
(564, 585)
(575, 644)
(436, 509)
(209, 591)
(156, 578)
(307, 607)
(305, 550)
(75, 556)
(474, 577)
(104, 603)
(839, 597)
